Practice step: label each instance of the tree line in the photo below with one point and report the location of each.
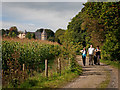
(97, 24)
(14, 32)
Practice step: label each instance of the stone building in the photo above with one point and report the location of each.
(38, 35)
(43, 35)
(21, 35)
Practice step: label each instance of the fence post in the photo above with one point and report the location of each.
(69, 62)
(23, 71)
(59, 66)
(46, 68)
(23, 67)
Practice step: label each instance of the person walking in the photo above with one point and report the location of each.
(98, 55)
(84, 53)
(95, 59)
(91, 54)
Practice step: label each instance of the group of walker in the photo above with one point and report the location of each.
(94, 54)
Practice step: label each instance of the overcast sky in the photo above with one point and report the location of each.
(33, 15)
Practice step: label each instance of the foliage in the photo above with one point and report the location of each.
(105, 29)
(54, 81)
(69, 51)
(50, 33)
(14, 29)
(51, 39)
(33, 35)
(14, 75)
(115, 64)
(58, 35)
(75, 67)
(3, 31)
(111, 47)
(40, 30)
(32, 54)
(28, 35)
(97, 24)
(12, 32)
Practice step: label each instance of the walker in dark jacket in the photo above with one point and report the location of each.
(98, 55)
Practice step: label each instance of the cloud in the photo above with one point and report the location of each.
(46, 15)
(21, 27)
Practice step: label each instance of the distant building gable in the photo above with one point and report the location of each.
(43, 35)
(38, 35)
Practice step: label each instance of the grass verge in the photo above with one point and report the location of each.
(55, 81)
(105, 83)
(115, 64)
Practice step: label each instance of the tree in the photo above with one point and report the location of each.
(50, 33)
(51, 39)
(39, 30)
(28, 35)
(10, 34)
(33, 35)
(58, 33)
(14, 29)
(97, 24)
(13, 34)
(3, 31)
(7, 31)
(111, 48)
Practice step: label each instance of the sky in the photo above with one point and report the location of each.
(31, 16)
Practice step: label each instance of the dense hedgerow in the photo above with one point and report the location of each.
(31, 54)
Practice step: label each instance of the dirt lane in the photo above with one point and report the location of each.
(93, 75)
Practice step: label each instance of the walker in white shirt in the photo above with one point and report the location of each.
(91, 51)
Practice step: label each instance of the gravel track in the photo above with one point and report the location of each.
(94, 75)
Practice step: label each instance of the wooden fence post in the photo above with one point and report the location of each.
(69, 62)
(46, 68)
(23, 67)
(59, 65)
(23, 71)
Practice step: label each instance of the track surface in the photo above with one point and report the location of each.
(94, 75)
